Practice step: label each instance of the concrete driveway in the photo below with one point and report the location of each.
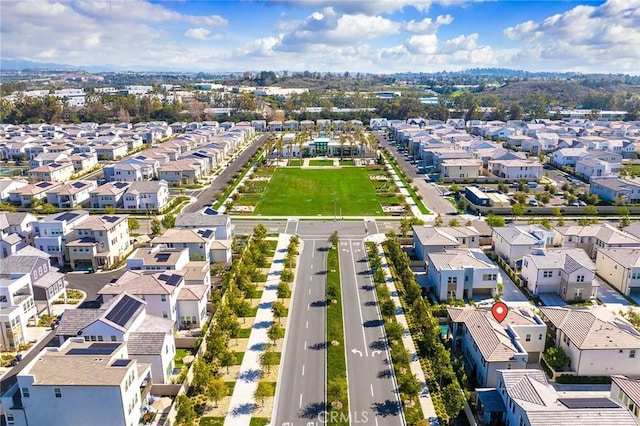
(511, 292)
(611, 298)
(551, 299)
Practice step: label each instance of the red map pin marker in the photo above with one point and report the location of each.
(500, 311)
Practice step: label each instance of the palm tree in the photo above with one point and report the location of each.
(343, 140)
(300, 140)
(279, 146)
(352, 142)
(290, 143)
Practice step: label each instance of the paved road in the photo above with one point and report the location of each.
(302, 393)
(92, 283)
(431, 195)
(373, 396)
(10, 377)
(205, 197)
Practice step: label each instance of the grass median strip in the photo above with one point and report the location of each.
(337, 393)
(409, 188)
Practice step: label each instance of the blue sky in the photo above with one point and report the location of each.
(337, 36)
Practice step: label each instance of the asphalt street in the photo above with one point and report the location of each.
(373, 396)
(431, 195)
(205, 197)
(302, 385)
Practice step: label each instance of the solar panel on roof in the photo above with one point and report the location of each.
(205, 232)
(162, 257)
(123, 310)
(95, 349)
(43, 184)
(575, 403)
(67, 216)
(121, 362)
(78, 184)
(120, 185)
(111, 219)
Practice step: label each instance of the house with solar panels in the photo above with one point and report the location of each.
(167, 295)
(25, 196)
(80, 383)
(71, 194)
(125, 318)
(99, 242)
(52, 232)
(525, 397)
(199, 241)
(109, 194)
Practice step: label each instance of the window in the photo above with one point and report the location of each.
(540, 336)
(528, 338)
(164, 314)
(57, 392)
(3, 299)
(10, 419)
(163, 297)
(580, 278)
(113, 338)
(25, 392)
(452, 280)
(632, 353)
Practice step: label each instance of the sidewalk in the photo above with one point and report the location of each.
(428, 410)
(405, 193)
(242, 401)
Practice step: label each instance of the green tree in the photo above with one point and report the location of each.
(259, 232)
(47, 208)
(109, 210)
(134, 225)
(388, 308)
(186, 414)
(556, 358)
(284, 291)
(156, 226)
(518, 209)
(275, 332)
(243, 309)
(438, 221)
(495, 221)
(624, 222)
(453, 399)
(395, 331)
(262, 391)
(279, 310)
(216, 390)
(227, 358)
(334, 239)
(169, 221)
(201, 375)
(409, 384)
(454, 223)
(591, 211)
(269, 358)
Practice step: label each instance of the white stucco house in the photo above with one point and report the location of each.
(569, 273)
(489, 346)
(598, 342)
(620, 267)
(461, 273)
(432, 239)
(511, 243)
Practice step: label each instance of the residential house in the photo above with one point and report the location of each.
(461, 168)
(28, 194)
(597, 342)
(181, 172)
(81, 383)
(511, 243)
(111, 152)
(616, 190)
(7, 185)
(17, 309)
(152, 195)
(568, 156)
(570, 273)
(101, 242)
(110, 194)
(158, 258)
(48, 158)
(166, 295)
(47, 283)
(71, 194)
(198, 241)
(461, 274)
(52, 232)
(590, 168)
(620, 267)
(84, 161)
(488, 345)
(149, 338)
(516, 141)
(525, 397)
(53, 172)
(19, 223)
(516, 169)
(432, 239)
(594, 237)
(626, 392)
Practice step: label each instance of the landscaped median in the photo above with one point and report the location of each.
(414, 195)
(337, 390)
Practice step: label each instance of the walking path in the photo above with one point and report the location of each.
(243, 401)
(428, 410)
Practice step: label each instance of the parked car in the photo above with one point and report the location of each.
(582, 203)
(574, 204)
(533, 203)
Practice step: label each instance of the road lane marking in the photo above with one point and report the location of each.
(309, 292)
(371, 388)
(305, 345)
(311, 278)
(303, 371)
(376, 420)
(300, 401)
(307, 326)
(308, 306)
(355, 278)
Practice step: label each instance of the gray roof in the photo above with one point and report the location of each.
(146, 187)
(18, 218)
(567, 259)
(593, 328)
(145, 343)
(74, 320)
(629, 386)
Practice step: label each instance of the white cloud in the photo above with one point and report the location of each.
(583, 37)
(426, 44)
(427, 25)
(198, 33)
